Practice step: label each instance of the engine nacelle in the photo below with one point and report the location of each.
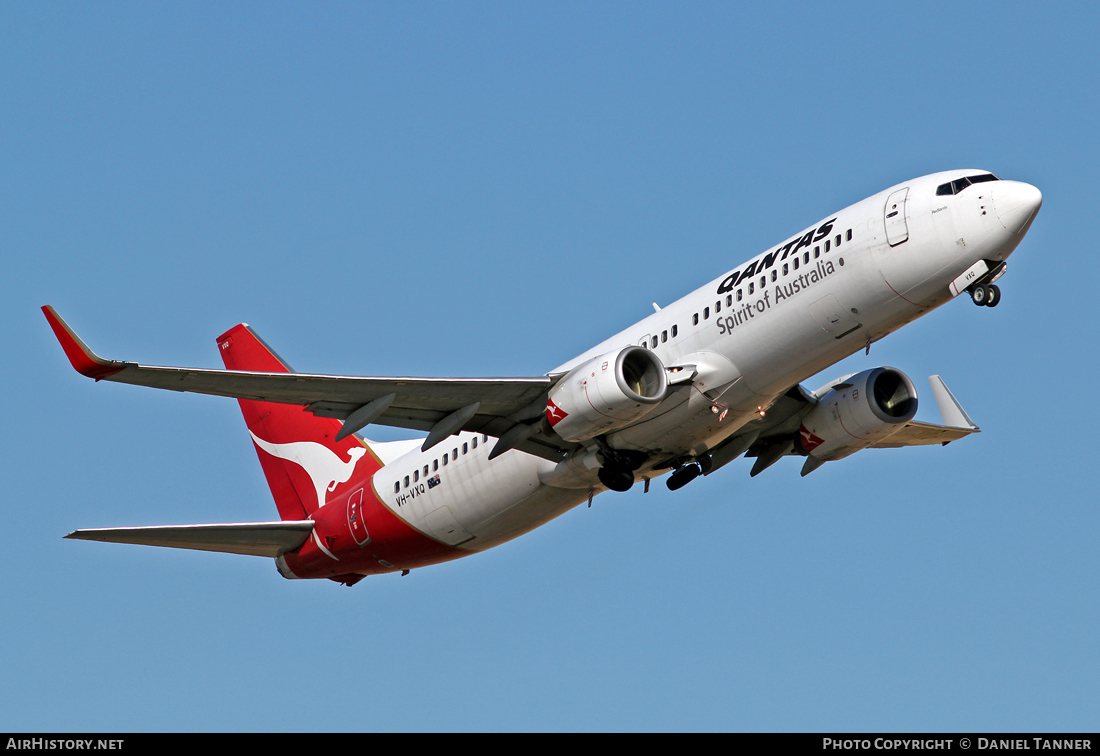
(606, 392)
(857, 412)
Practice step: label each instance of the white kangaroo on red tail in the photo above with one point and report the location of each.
(323, 466)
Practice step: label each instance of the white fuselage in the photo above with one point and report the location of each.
(749, 335)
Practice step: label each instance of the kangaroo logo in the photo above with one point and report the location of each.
(324, 467)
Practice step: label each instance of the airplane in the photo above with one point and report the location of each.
(685, 391)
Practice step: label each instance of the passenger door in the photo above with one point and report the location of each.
(897, 230)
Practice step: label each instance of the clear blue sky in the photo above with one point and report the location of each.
(489, 189)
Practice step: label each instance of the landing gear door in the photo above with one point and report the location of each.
(897, 230)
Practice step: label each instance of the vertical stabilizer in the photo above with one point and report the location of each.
(304, 463)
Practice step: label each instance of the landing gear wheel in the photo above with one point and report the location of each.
(616, 478)
(683, 476)
(980, 295)
(994, 297)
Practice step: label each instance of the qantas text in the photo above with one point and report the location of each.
(765, 262)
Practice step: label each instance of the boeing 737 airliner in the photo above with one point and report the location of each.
(687, 390)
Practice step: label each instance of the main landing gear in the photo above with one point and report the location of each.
(617, 471)
(616, 478)
(987, 295)
(683, 476)
(687, 468)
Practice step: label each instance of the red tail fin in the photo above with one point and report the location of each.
(304, 466)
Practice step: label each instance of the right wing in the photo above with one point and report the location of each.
(510, 409)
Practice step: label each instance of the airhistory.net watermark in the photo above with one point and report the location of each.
(63, 744)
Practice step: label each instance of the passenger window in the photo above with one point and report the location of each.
(817, 252)
(796, 263)
(406, 481)
(454, 453)
(425, 471)
(806, 256)
(729, 300)
(664, 336)
(848, 237)
(775, 275)
(445, 458)
(473, 442)
(763, 282)
(397, 487)
(750, 287)
(484, 438)
(837, 240)
(718, 306)
(695, 319)
(674, 330)
(435, 465)
(826, 245)
(706, 313)
(738, 295)
(465, 448)
(786, 269)
(654, 341)
(416, 475)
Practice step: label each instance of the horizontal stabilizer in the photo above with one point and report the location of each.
(267, 539)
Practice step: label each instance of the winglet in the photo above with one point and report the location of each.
(84, 360)
(953, 413)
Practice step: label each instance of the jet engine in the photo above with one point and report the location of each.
(860, 410)
(606, 392)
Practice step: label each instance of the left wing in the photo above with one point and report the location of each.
(777, 435)
(510, 409)
(958, 423)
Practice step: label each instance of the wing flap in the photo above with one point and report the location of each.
(915, 433)
(266, 539)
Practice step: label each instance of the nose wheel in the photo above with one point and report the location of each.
(986, 295)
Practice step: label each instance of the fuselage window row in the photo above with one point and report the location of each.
(795, 264)
(453, 455)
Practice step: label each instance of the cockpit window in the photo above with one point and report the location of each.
(956, 186)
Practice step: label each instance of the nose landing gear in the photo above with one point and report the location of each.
(987, 295)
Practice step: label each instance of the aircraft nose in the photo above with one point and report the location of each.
(1016, 204)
